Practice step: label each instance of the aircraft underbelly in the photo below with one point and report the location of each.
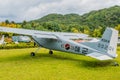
(48, 43)
(66, 46)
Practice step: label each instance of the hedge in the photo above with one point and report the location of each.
(18, 46)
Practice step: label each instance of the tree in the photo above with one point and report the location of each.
(86, 32)
(118, 28)
(33, 25)
(97, 32)
(12, 22)
(24, 24)
(74, 30)
(7, 21)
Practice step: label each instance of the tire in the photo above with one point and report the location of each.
(50, 52)
(116, 64)
(32, 54)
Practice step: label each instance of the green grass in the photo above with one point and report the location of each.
(17, 64)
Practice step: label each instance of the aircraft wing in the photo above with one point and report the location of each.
(72, 35)
(43, 34)
(99, 56)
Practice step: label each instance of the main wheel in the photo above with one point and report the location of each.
(32, 54)
(51, 52)
(116, 64)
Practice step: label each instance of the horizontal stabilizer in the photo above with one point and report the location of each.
(99, 56)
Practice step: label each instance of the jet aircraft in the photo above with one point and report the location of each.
(103, 49)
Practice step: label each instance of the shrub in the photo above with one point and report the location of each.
(17, 46)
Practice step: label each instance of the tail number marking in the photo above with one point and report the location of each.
(105, 47)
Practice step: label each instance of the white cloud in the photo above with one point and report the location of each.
(19, 10)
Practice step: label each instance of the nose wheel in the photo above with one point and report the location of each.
(50, 52)
(33, 53)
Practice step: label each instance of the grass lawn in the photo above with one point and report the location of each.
(17, 64)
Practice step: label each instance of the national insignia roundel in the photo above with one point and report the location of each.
(67, 46)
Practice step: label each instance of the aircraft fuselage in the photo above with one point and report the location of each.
(63, 45)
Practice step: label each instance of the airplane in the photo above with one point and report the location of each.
(2, 40)
(103, 49)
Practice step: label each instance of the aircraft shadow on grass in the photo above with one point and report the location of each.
(80, 62)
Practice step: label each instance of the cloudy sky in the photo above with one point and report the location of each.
(19, 10)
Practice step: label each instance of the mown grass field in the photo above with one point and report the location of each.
(17, 64)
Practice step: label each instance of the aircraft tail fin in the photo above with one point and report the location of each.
(108, 42)
(106, 46)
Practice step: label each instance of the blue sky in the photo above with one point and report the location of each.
(19, 10)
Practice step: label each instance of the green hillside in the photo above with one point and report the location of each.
(61, 19)
(104, 17)
(92, 23)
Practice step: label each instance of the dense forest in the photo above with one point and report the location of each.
(92, 23)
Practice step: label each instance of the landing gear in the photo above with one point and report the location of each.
(33, 53)
(115, 64)
(51, 52)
